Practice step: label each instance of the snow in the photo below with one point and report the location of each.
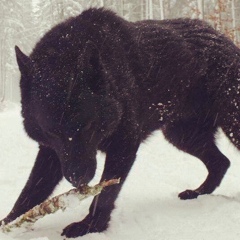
(148, 207)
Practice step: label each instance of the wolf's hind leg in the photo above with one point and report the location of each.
(199, 142)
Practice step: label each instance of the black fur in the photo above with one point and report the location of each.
(97, 81)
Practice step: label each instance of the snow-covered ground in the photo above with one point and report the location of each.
(148, 207)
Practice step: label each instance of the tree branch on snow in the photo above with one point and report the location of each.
(54, 204)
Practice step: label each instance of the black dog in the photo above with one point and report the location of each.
(97, 81)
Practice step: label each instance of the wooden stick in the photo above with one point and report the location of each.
(54, 204)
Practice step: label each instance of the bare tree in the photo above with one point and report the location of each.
(200, 5)
(161, 9)
(234, 25)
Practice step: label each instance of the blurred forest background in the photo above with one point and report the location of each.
(23, 22)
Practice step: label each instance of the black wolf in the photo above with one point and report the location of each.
(98, 82)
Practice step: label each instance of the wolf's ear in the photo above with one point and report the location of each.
(89, 65)
(90, 56)
(24, 62)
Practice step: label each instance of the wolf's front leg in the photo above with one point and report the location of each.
(45, 175)
(119, 160)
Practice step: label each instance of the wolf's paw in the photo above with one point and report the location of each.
(5, 221)
(188, 194)
(82, 228)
